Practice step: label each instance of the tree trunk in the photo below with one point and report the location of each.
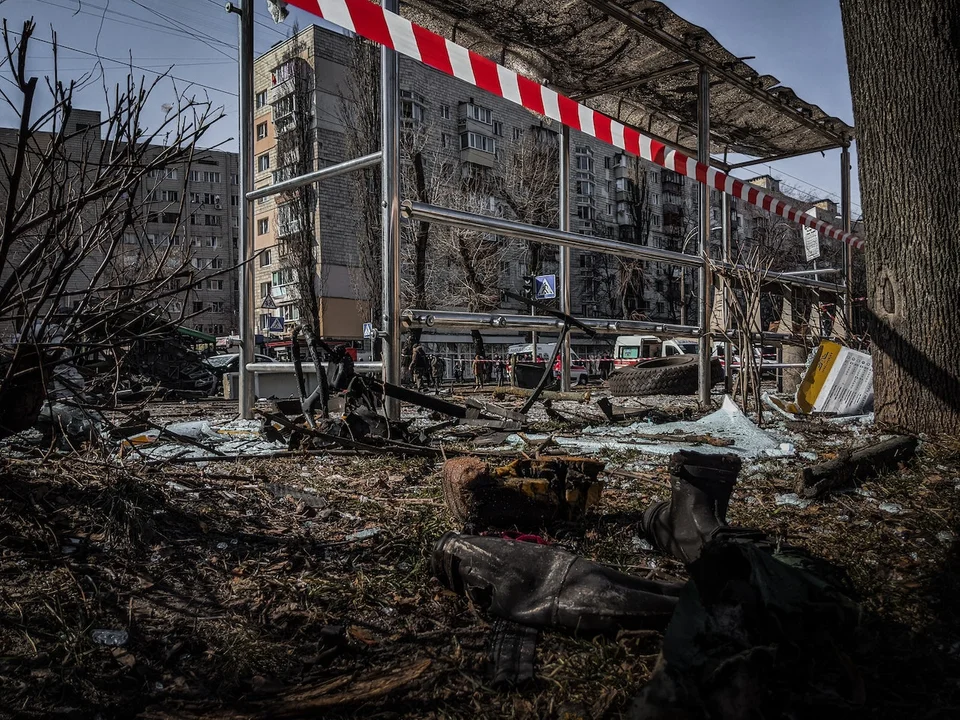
(905, 81)
(422, 237)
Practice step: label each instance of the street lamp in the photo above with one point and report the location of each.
(683, 273)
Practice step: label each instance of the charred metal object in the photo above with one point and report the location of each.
(526, 493)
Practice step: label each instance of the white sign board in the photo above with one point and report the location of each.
(811, 240)
(368, 330)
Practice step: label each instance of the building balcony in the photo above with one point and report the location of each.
(478, 157)
(287, 293)
(285, 229)
(293, 120)
(282, 89)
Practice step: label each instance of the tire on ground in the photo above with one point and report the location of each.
(675, 375)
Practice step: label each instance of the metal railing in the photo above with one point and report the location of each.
(388, 159)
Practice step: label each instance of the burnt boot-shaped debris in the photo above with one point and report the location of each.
(546, 587)
(697, 509)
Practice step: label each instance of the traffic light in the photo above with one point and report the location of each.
(528, 285)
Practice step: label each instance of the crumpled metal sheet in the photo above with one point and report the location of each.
(575, 48)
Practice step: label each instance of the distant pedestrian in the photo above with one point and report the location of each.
(501, 370)
(478, 373)
(419, 366)
(437, 369)
(458, 370)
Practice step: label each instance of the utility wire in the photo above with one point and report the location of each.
(176, 23)
(127, 63)
(138, 22)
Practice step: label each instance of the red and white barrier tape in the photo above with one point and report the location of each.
(388, 29)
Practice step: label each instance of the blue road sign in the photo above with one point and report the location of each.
(368, 330)
(546, 287)
(274, 324)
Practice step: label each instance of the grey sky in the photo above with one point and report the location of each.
(799, 43)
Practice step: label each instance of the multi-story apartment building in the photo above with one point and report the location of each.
(280, 105)
(469, 137)
(183, 214)
(208, 233)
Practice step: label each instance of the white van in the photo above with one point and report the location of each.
(631, 348)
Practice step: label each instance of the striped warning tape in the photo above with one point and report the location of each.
(388, 29)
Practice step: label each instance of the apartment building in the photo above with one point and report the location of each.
(207, 236)
(186, 213)
(279, 108)
(471, 136)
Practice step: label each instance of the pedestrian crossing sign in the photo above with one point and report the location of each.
(546, 287)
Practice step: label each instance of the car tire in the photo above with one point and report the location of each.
(675, 375)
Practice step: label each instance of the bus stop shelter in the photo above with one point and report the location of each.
(633, 74)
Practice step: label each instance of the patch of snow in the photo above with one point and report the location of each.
(792, 499)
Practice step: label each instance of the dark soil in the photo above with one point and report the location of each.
(233, 581)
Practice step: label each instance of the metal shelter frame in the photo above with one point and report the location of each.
(389, 158)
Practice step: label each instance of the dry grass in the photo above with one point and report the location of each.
(225, 577)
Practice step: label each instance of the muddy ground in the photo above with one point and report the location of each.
(232, 581)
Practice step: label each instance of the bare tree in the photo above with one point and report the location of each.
(359, 112)
(72, 224)
(631, 278)
(528, 185)
(472, 258)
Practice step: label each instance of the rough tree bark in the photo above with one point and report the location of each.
(905, 81)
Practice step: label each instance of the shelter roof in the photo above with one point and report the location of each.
(637, 61)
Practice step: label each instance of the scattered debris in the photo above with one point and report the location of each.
(110, 638)
(792, 499)
(344, 690)
(726, 429)
(363, 534)
(525, 493)
(615, 413)
(838, 380)
(850, 468)
(502, 392)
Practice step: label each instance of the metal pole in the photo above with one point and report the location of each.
(564, 279)
(248, 330)
(726, 224)
(418, 317)
(703, 292)
(814, 273)
(390, 175)
(321, 174)
(683, 296)
(533, 339)
(847, 262)
(511, 228)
